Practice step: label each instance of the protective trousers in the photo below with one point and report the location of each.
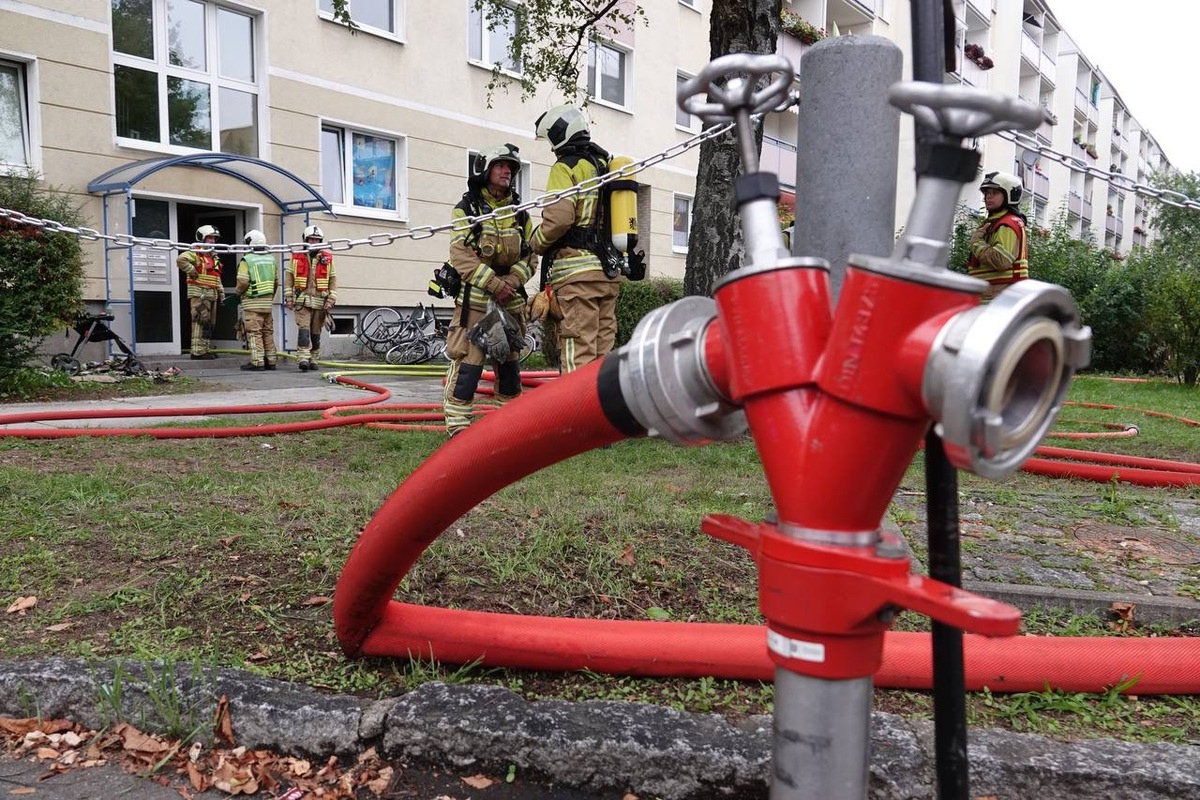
(466, 370)
(588, 329)
(260, 336)
(204, 317)
(309, 322)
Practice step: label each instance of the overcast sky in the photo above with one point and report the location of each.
(1147, 49)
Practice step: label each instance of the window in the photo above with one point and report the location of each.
(681, 225)
(185, 73)
(521, 184)
(17, 120)
(362, 170)
(608, 72)
(384, 16)
(683, 119)
(688, 3)
(488, 38)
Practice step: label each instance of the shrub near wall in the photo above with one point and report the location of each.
(639, 298)
(41, 274)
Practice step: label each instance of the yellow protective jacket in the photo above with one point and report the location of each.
(558, 218)
(203, 270)
(256, 277)
(490, 254)
(310, 280)
(999, 250)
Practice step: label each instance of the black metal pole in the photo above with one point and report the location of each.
(930, 48)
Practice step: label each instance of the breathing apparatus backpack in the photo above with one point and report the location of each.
(612, 234)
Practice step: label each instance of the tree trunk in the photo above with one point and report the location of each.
(715, 242)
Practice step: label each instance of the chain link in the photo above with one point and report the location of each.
(1114, 179)
(379, 239)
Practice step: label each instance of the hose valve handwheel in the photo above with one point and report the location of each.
(965, 112)
(734, 87)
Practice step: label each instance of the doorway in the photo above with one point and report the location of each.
(230, 224)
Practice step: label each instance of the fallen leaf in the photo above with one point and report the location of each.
(380, 785)
(196, 777)
(629, 796)
(46, 753)
(222, 722)
(261, 655)
(62, 626)
(22, 604)
(478, 781)
(316, 600)
(22, 790)
(627, 558)
(134, 741)
(536, 513)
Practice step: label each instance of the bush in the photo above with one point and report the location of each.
(639, 298)
(1116, 311)
(41, 274)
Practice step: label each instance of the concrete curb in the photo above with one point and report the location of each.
(594, 745)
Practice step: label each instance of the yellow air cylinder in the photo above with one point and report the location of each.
(622, 207)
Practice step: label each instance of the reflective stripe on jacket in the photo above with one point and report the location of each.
(301, 267)
(1003, 256)
(577, 211)
(203, 269)
(483, 252)
(256, 279)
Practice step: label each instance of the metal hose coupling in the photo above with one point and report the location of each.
(665, 382)
(997, 374)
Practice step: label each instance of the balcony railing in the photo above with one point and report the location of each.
(1087, 210)
(779, 157)
(1041, 185)
(1030, 51)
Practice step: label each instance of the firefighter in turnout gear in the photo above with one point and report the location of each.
(310, 287)
(493, 260)
(204, 291)
(256, 283)
(999, 249)
(586, 294)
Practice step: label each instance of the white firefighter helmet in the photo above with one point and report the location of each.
(1009, 184)
(561, 124)
(313, 230)
(482, 163)
(204, 231)
(256, 238)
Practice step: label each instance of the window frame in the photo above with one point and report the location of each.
(347, 207)
(486, 59)
(399, 7)
(30, 99)
(626, 88)
(694, 126)
(691, 204)
(159, 65)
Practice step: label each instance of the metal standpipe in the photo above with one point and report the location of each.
(842, 397)
(848, 136)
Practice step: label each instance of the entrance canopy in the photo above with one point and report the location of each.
(289, 192)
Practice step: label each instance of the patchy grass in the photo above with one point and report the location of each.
(226, 553)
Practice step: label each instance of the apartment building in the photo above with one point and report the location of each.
(163, 115)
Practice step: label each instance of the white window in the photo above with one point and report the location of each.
(185, 73)
(688, 3)
(681, 222)
(373, 16)
(521, 184)
(689, 122)
(489, 35)
(18, 117)
(362, 170)
(608, 72)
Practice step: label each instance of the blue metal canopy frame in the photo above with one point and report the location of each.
(273, 181)
(291, 194)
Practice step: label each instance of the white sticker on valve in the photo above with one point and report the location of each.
(795, 648)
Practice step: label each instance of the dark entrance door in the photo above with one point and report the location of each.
(229, 223)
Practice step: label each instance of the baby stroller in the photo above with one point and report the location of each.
(94, 328)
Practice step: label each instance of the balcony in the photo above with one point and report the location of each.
(779, 157)
(1112, 223)
(1031, 53)
(1045, 132)
(792, 49)
(1087, 211)
(1074, 204)
(1041, 185)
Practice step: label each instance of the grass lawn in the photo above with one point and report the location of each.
(226, 552)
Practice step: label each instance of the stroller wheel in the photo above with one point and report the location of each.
(64, 363)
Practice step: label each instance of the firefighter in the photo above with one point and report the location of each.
(204, 291)
(310, 287)
(999, 249)
(256, 279)
(586, 294)
(493, 261)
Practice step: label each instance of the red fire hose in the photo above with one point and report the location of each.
(569, 417)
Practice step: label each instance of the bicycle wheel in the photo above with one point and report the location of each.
(379, 325)
(533, 340)
(411, 352)
(64, 363)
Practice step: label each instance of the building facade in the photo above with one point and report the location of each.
(163, 115)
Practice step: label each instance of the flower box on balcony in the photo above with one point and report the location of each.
(801, 28)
